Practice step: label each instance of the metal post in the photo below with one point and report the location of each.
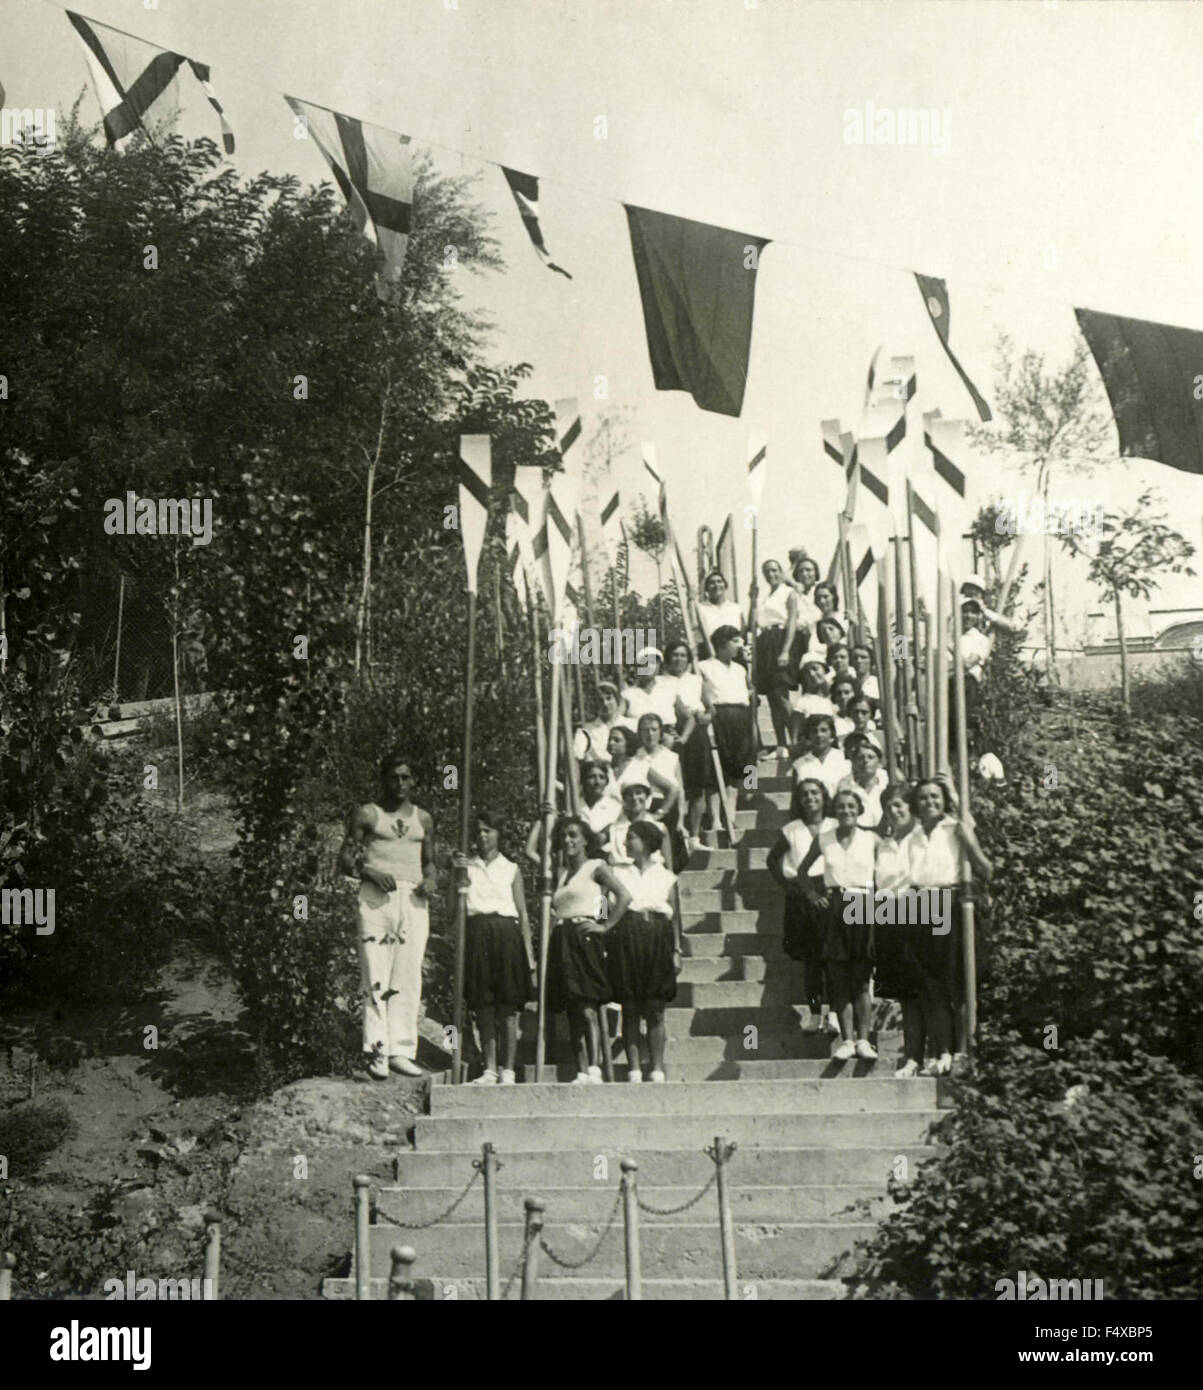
(587, 585)
(549, 813)
(946, 605)
(211, 1285)
(930, 629)
(969, 944)
(537, 672)
(530, 1254)
(726, 1231)
(117, 657)
(488, 1167)
(8, 1263)
(400, 1286)
(630, 1212)
(885, 668)
(900, 631)
(363, 1261)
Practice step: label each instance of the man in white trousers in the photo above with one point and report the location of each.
(390, 849)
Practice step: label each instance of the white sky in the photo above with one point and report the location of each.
(1073, 178)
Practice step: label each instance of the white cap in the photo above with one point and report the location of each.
(975, 581)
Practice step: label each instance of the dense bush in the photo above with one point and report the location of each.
(1067, 1165)
(30, 1131)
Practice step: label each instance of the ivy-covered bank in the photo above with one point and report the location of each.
(1075, 1149)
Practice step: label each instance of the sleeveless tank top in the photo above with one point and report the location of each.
(851, 867)
(394, 845)
(774, 607)
(578, 896)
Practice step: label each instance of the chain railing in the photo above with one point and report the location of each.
(592, 1255)
(434, 1220)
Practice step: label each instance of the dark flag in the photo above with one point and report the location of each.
(698, 287)
(935, 299)
(1152, 372)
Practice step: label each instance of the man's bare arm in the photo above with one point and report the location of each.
(361, 823)
(430, 878)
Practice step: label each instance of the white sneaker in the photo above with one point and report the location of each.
(594, 1076)
(486, 1078)
(635, 1076)
(658, 1077)
(833, 1024)
(908, 1070)
(508, 1077)
(695, 845)
(406, 1066)
(844, 1052)
(378, 1069)
(943, 1064)
(582, 1078)
(866, 1051)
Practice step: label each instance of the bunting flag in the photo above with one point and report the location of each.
(935, 299)
(1151, 372)
(860, 544)
(698, 287)
(525, 188)
(568, 434)
(374, 170)
(675, 558)
(201, 72)
(725, 557)
(475, 474)
(872, 377)
(926, 514)
(129, 75)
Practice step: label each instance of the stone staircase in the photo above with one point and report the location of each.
(816, 1139)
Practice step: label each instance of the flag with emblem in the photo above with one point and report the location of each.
(475, 479)
(374, 170)
(698, 288)
(1152, 372)
(129, 76)
(525, 188)
(935, 300)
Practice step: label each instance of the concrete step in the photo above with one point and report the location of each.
(780, 988)
(818, 1202)
(702, 939)
(811, 1249)
(703, 970)
(770, 777)
(632, 1132)
(729, 1070)
(727, 920)
(533, 1169)
(751, 858)
(878, 1092)
(553, 1288)
(759, 827)
(769, 1045)
(756, 896)
(729, 876)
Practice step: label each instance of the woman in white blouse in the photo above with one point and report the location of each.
(715, 611)
(934, 852)
(812, 698)
(776, 625)
(824, 759)
(729, 702)
(849, 855)
(693, 741)
(652, 693)
(643, 956)
(803, 922)
(499, 964)
(591, 740)
(577, 983)
(896, 945)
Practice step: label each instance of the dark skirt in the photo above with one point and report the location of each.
(736, 748)
(942, 957)
(576, 965)
(639, 958)
(697, 770)
(772, 679)
(495, 966)
(847, 943)
(803, 927)
(896, 953)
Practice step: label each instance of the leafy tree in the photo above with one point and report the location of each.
(1055, 420)
(1130, 550)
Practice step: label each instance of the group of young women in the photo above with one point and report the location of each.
(881, 898)
(647, 777)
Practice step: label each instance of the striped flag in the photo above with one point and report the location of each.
(527, 504)
(374, 169)
(130, 75)
(944, 438)
(675, 559)
(513, 556)
(725, 557)
(559, 514)
(475, 473)
(935, 300)
(525, 188)
(758, 453)
(610, 517)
